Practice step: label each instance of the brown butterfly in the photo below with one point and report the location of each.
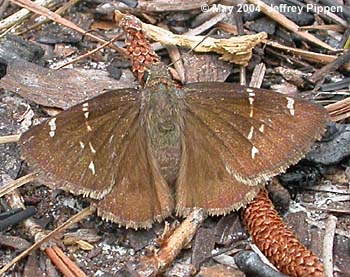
(144, 152)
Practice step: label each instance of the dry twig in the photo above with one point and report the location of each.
(59, 11)
(172, 245)
(39, 241)
(63, 263)
(340, 110)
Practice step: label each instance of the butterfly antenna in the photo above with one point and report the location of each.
(194, 47)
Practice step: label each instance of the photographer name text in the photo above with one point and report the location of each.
(282, 8)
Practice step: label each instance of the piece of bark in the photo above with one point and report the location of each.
(331, 151)
(32, 267)
(203, 245)
(229, 229)
(205, 68)
(14, 242)
(219, 271)
(297, 222)
(59, 88)
(13, 48)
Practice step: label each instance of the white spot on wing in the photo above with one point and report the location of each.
(86, 114)
(92, 167)
(251, 101)
(52, 124)
(250, 135)
(85, 107)
(251, 94)
(88, 127)
(290, 105)
(93, 151)
(254, 151)
(261, 129)
(82, 145)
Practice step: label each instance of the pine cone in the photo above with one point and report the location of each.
(276, 240)
(139, 49)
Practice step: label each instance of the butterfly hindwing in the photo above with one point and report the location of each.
(203, 179)
(140, 195)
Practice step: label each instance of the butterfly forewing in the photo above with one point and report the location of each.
(81, 148)
(257, 132)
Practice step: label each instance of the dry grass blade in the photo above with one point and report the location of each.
(60, 10)
(8, 139)
(74, 219)
(288, 24)
(64, 269)
(16, 184)
(65, 265)
(37, 9)
(328, 240)
(22, 14)
(307, 55)
(89, 53)
(327, 27)
(57, 18)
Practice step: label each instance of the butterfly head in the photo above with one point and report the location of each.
(158, 76)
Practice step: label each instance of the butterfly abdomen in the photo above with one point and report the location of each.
(162, 117)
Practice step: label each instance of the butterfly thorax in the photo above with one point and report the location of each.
(162, 105)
